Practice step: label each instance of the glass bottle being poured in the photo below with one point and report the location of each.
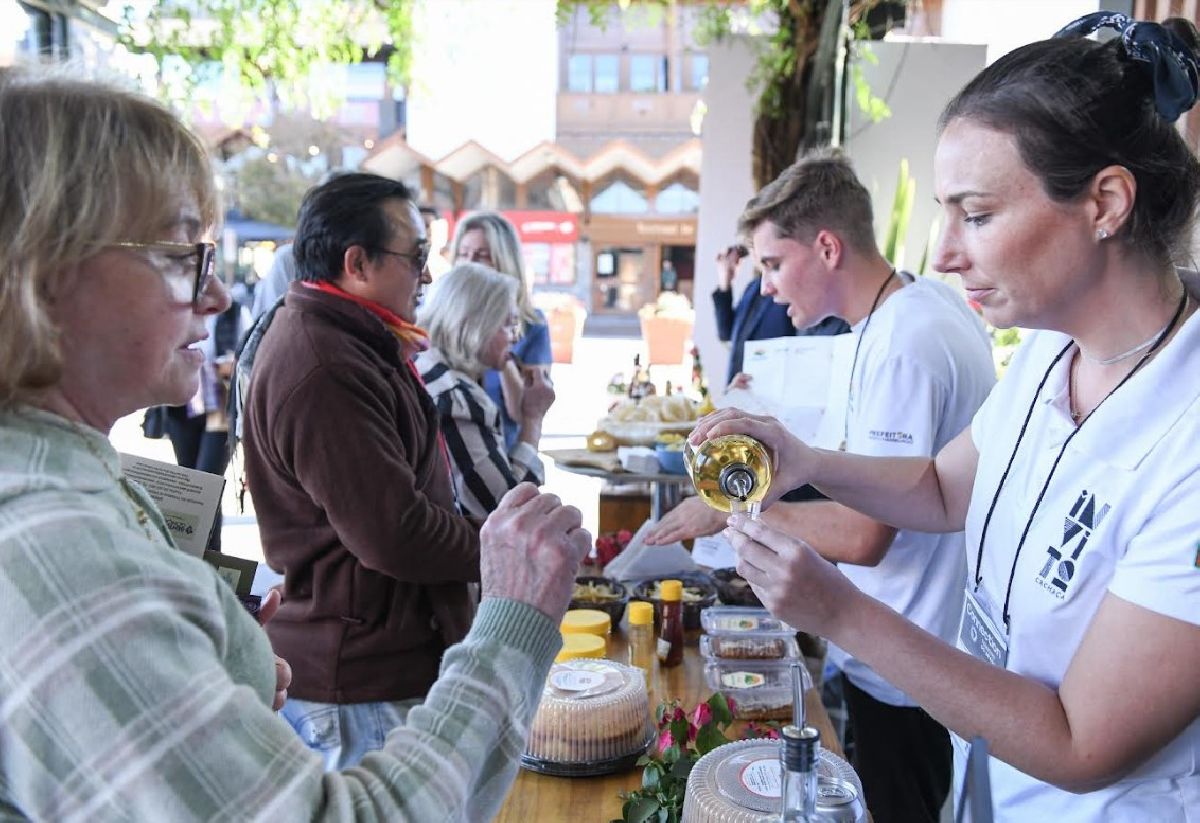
(731, 473)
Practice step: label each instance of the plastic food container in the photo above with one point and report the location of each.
(741, 782)
(586, 621)
(750, 646)
(594, 718)
(743, 620)
(579, 646)
(761, 689)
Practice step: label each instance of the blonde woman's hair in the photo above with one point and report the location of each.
(83, 164)
(505, 248)
(470, 303)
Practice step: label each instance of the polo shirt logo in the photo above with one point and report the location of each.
(1062, 560)
(1198, 555)
(891, 437)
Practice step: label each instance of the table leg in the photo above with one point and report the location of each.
(663, 498)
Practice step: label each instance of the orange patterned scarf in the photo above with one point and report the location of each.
(412, 338)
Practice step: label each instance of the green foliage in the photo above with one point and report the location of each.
(272, 45)
(898, 219)
(930, 243)
(271, 191)
(683, 739)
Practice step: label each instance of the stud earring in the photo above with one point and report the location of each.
(1101, 234)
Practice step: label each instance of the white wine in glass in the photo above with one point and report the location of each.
(731, 473)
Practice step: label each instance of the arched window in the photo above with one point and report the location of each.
(677, 199)
(489, 188)
(620, 198)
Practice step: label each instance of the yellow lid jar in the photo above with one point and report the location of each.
(580, 646)
(586, 621)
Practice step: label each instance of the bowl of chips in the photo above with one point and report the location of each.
(699, 592)
(602, 594)
(640, 422)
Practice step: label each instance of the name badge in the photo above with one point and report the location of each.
(979, 634)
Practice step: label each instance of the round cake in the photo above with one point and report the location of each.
(591, 711)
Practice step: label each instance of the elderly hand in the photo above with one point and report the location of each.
(792, 462)
(691, 518)
(538, 396)
(530, 550)
(794, 582)
(283, 672)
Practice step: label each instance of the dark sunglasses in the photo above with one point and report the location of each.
(419, 256)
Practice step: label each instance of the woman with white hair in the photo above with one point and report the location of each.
(472, 320)
(133, 684)
(486, 237)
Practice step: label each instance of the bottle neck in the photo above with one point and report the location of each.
(799, 796)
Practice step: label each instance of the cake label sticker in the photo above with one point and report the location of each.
(742, 680)
(763, 777)
(736, 624)
(576, 681)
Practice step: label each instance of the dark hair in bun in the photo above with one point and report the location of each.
(1075, 106)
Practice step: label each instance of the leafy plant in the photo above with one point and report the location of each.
(897, 228)
(682, 740)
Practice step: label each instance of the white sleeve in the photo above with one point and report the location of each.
(1161, 567)
(898, 410)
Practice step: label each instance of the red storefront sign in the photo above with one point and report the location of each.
(541, 226)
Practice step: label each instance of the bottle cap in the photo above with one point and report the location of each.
(586, 621)
(578, 646)
(800, 747)
(641, 613)
(670, 590)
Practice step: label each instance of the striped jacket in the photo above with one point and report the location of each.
(470, 423)
(133, 685)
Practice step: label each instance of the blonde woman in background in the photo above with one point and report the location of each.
(472, 320)
(486, 237)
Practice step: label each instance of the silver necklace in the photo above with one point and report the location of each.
(1138, 349)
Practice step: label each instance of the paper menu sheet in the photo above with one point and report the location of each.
(800, 381)
(188, 499)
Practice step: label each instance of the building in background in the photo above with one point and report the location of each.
(604, 191)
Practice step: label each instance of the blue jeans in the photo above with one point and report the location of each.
(343, 732)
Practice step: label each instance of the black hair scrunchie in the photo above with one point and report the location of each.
(1172, 64)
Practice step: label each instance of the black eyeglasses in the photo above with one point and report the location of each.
(419, 256)
(190, 266)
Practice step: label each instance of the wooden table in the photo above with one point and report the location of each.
(665, 488)
(536, 797)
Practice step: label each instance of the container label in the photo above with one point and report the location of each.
(736, 624)
(742, 680)
(576, 681)
(763, 777)
(663, 648)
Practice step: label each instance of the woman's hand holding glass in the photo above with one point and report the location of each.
(793, 462)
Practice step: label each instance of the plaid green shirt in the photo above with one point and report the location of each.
(133, 686)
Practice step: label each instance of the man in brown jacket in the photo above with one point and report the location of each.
(349, 476)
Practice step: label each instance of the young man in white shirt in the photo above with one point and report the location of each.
(921, 368)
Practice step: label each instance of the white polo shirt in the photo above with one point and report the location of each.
(924, 367)
(1121, 515)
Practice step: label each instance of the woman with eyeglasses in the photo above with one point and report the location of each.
(133, 684)
(472, 322)
(486, 237)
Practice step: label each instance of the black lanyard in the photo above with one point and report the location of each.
(1053, 468)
